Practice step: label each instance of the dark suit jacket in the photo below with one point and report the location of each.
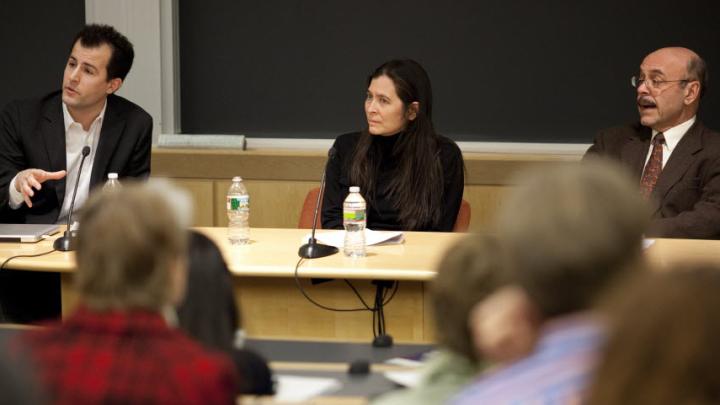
(32, 135)
(686, 198)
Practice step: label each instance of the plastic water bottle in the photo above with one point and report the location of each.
(354, 221)
(238, 211)
(112, 183)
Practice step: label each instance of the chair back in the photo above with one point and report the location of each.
(308, 208)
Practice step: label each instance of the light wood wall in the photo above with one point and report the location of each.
(278, 181)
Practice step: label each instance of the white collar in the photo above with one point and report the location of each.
(676, 133)
(69, 119)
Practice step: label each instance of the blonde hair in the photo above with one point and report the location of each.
(471, 270)
(129, 240)
(570, 230)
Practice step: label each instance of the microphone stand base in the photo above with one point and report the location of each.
(316, 250)
(382, 341)
(66, 243)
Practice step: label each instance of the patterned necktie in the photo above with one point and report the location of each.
(653, 166)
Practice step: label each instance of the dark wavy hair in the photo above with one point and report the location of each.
(121, 60)
(417, 186)
(209, 312)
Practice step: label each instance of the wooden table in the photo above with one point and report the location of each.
(272, 306)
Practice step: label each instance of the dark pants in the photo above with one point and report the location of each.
(29, 296)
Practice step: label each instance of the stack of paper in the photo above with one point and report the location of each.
(337, 238)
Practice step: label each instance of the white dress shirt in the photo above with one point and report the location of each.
(672, 138)
(76, 138)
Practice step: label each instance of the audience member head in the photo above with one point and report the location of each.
(209, 312)
(568, 232)
(470, 271)
(662, 347)
(669, 85)
(572, 229)
(131, 248)
(399, 103)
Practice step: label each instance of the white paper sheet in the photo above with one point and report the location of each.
(337, 238)
(406, 378)
(291, 388)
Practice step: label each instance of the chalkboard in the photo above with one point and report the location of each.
(35, 39)
(516, 71)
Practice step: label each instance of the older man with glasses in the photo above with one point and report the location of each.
(675, 159)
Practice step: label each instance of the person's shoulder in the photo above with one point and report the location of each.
(349, 138)
(207, 372)
(623, 131)
(448, 147)
(711, 136)
(188, 351)
(35, 104)
(126, 108)
(346, 142)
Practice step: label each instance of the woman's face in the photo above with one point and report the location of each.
(385, 112)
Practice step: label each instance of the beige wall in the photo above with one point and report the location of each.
(278, 181)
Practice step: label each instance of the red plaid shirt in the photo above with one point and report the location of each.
(127, 358)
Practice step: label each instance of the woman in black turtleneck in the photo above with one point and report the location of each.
(411, 177)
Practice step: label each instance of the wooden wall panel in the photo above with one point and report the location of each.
(201, 192)
(275, 307)
(273, 203)
(279, 180)
(485, 200)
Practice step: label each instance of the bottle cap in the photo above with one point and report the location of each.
(354, 189)
(112, 176)
(237, 178)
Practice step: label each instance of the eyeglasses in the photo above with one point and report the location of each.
(654, 84)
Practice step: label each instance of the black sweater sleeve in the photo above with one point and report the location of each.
(336, 181)
(454, 183)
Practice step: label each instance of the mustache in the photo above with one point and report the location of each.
(646, 101)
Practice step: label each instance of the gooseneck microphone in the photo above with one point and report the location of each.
(66, 243)
(313, 249)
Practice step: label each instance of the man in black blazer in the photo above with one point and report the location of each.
(41, 143)
(673, 156)
(41, 140)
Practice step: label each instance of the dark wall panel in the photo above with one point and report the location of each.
(518, 70)
(35, 39)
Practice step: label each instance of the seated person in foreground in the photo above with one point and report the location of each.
(116, 347)
(568, 233)
(470, 271)
(411, 177)
(662, 348)
(210, 315)
(673, 157)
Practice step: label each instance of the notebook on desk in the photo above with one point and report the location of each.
(26, 232)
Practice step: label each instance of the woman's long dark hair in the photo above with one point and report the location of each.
(417, 185)
(209, 312)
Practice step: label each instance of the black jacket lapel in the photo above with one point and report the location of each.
(112, 129)
(52, 130)
(635, 150)
(680, 161)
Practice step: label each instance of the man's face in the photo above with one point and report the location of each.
(85, 82)
(668, 103)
